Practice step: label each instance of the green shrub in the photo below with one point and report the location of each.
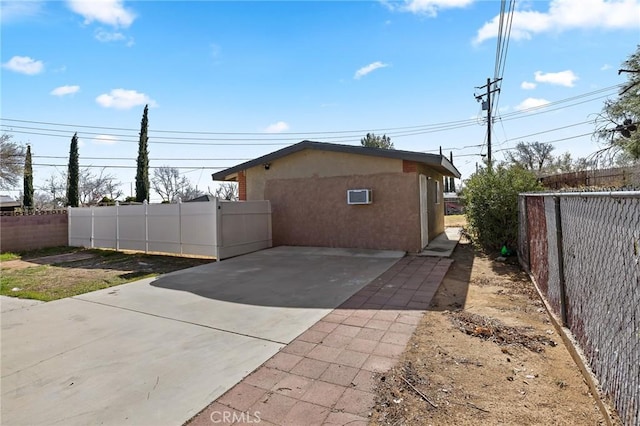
(491, 205)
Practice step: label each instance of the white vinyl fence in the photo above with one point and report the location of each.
(219, 229)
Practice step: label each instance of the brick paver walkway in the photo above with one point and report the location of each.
(326, 375)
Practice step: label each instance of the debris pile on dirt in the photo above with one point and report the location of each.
(495, 331)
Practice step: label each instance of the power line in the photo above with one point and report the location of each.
(150, 159)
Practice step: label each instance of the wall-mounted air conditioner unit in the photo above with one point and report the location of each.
(359, 196)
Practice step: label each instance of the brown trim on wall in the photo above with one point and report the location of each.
(242, 185)
(409, 166)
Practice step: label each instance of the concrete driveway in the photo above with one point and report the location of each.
(156, 352)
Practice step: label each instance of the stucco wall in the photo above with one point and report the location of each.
(314, 211)
(319, 164)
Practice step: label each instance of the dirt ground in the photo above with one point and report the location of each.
(485, 353)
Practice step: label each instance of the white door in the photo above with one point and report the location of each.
(424, 219)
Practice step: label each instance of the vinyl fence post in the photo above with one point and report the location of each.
(117, 226)
(180, 223)
(563, 299)
(146, 226)
(92, 227)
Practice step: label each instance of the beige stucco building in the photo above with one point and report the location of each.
(308, 186)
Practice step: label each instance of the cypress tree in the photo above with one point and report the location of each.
(27, 200)
(142, 173)
(73, 174)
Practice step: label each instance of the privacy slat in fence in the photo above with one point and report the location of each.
(599, 251)
(217, 229)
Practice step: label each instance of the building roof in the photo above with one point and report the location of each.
(435, 161)
(7, 201)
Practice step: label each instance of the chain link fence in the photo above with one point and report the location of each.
(583, 249)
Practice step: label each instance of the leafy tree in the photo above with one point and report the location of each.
(491, 204)
(532, 156)
(142, 172)
(73, 174)
(373, 141)
(27, 200)
(168, 183)
(11, 162)
(619, 121)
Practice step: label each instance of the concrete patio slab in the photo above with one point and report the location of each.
(156, 352)
(12, 303)
(444, 244)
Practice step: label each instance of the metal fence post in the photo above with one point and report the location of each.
(563, 300)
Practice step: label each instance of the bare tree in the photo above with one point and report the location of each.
(93, 187)
(168, 183)
(43, 201)
(11, 162)
(189, 192)
(227, 191)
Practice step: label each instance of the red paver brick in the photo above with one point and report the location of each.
(335, 340)
(364, 313)
(209, 414)
(356, 402)
(378, 324)
(264, 377)
(339, 374)
(351, 358)
(389, 350)
(363, 345)
(304, 413)
(418, 305)
(283, 361)
(372, 306)
(378, 300)
(311, 336)
(364, 381)
(397, 327)
(311, 368)
(407, 319)
(334, 316)
(354, 302)
(324, 326)
(355, 321)
(370, 334)
(396, 338)
(378, 363)
(323, 393)
(398, 302)
(273, 407)
(298, 347)
(324, 353)
(386, 315)
(241, 396)
(292, 385)
(347, 330)
(346, 419)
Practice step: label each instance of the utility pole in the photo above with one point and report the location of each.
(487, 106)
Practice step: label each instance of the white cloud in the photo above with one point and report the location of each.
(65, 90)
(605, 67)
(426, 7)
(531, 103)
(13, 11)
(526, 85)
(563, 78)
(278, 127)
(124, 99)
(566, 15)
(24, 65)
(109, 12)
(110, 36)
(369, 68)
(105, 140)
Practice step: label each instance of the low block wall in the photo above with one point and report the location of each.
(30, 232)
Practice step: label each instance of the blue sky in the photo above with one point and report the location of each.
(288, 71)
